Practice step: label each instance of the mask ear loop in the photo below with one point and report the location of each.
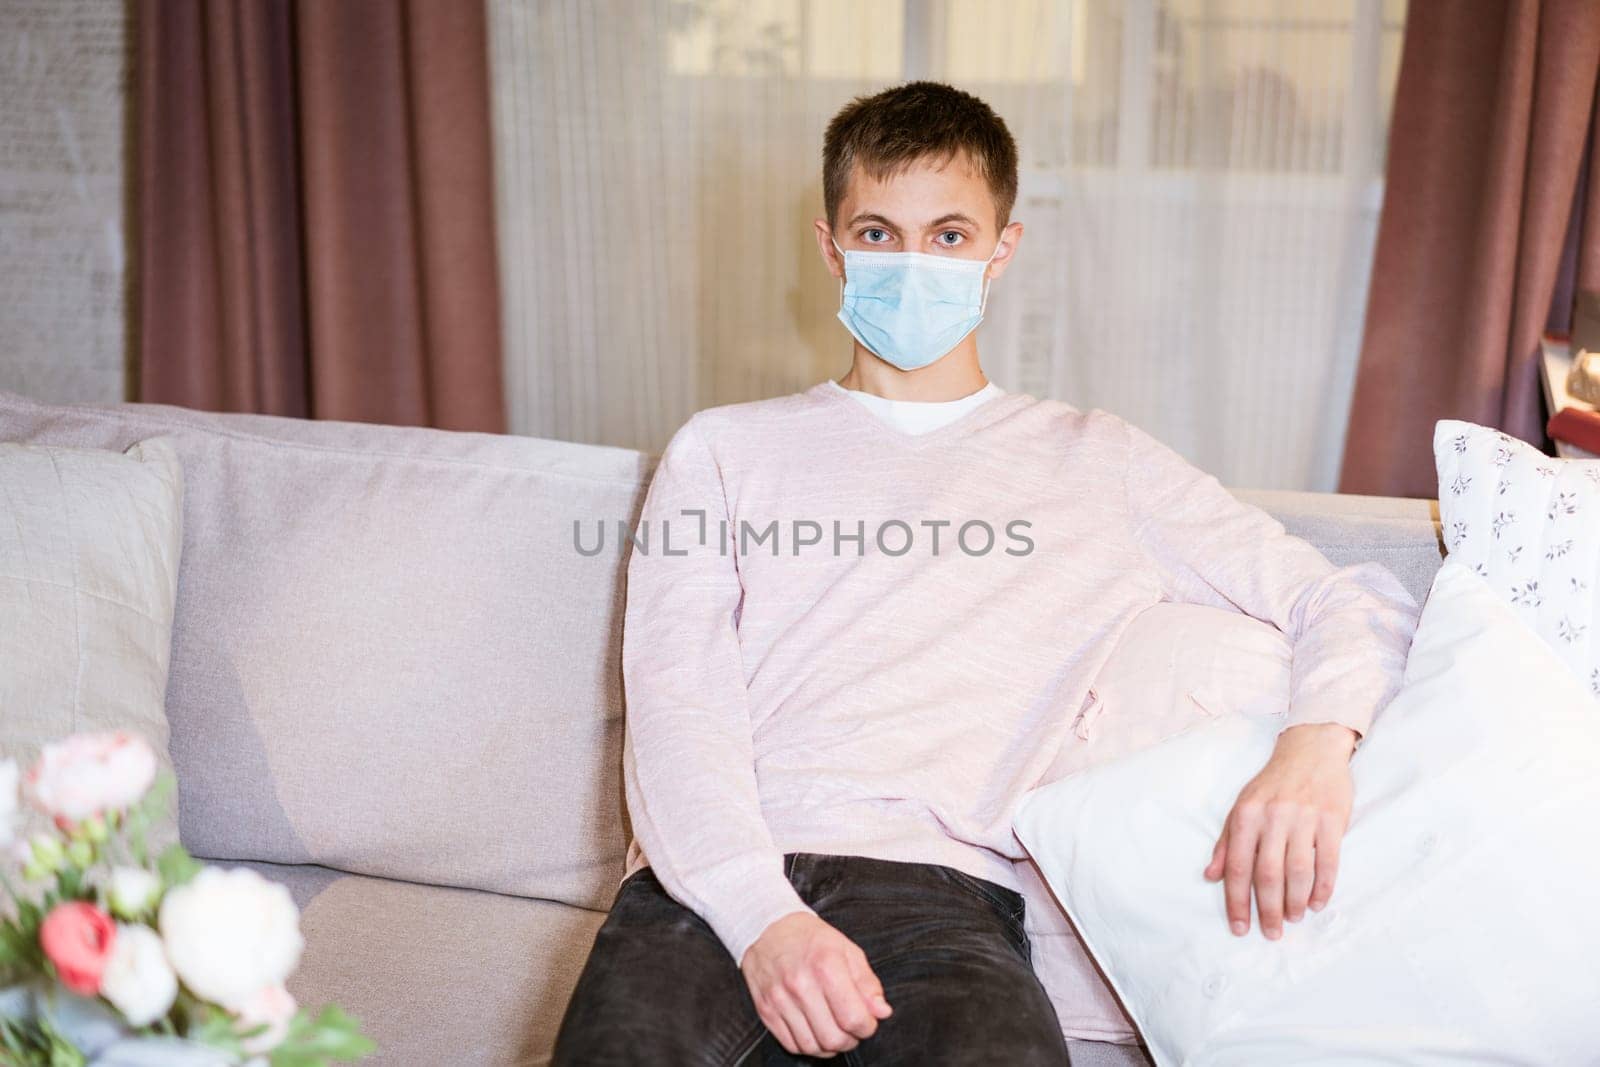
(983, 305)
(839, 250)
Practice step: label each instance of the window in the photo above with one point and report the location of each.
(1200, 189)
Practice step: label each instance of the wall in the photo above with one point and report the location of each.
(65, 70)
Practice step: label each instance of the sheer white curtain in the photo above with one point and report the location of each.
(1200, 188)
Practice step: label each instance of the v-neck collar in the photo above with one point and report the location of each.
(985, 413)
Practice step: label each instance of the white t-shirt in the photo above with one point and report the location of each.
(920, 416)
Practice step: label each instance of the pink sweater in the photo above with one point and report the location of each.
(825, 651)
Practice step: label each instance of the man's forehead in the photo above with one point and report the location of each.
(926, 192)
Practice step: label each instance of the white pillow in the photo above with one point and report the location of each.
(1174, 666)
(1530, 525)
(1461, 927)
(89, 550)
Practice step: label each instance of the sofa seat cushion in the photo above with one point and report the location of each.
(436, 974)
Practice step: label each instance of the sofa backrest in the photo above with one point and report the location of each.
(1402, 533)
(390, 658)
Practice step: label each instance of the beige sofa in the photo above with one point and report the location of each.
(395, 687)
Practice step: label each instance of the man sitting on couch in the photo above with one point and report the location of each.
(859, 623)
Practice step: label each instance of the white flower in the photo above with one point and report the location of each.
(271, 1005)
(87, 774)
(8, 800)
(138, 980)
(131, 891)
(231, 932)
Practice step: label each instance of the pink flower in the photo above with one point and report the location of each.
(271, 1005)
(77, 937)
(87, 774)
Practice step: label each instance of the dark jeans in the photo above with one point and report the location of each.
(949, 948)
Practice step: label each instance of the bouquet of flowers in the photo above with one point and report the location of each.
(109, 958)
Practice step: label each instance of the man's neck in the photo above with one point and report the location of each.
(951, 377)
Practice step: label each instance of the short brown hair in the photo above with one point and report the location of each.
(890, 130)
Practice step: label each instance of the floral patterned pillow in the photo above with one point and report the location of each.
(1530, 525)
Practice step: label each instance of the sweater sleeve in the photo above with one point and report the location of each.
(1351, 626)
(688, 758)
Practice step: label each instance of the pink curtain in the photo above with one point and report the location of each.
(316, 211)
(1486, 227)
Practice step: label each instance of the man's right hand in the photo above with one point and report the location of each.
(812, 986)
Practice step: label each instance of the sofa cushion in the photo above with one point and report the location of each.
(1529, 524)
(436, 974)
(89, 554)
(388, 657)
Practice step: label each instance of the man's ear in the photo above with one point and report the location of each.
(825, 241)
(1010, 237)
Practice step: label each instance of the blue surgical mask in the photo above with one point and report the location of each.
(911, 308)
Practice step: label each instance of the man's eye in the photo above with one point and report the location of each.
(950, 233)
(869, 235)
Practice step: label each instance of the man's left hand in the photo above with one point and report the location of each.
(1282, 836)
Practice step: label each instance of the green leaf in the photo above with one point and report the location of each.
(330, 1037)
(177, 866)
(24, 1043)
(18, 947)
(69, 882)
(152, 808)
(62, 1053)
(211, 1025)
(153, 804)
